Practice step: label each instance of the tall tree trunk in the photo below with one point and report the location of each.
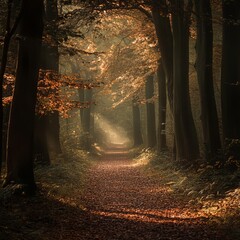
(87, 111)
(81, 93)
(162, 107)
(184, 128)
(230, 82)
(151, 122)
(21, 124)
(51, 59)
(86, 124)
(9, 33)
(81, 99)
(52, 10)
(137, 134)
(53, 132)
(165, 41)
(40, 140)
(204, 49)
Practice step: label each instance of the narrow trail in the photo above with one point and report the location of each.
(122, 202)
(119, 201)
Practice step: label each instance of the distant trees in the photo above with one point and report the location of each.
(86, 118)
(162, 108)
(151, 119)
(172, 20)
(137, 133)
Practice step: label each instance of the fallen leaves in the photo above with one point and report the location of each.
(118, 199)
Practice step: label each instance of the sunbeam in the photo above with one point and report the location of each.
(111, 133)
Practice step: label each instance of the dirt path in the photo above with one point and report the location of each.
(121, 202)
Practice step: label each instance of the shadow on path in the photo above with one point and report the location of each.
(118, 202)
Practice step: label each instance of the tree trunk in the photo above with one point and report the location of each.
(87, 111)
(137, 134)
(165, 42)
(204, 49)
(151, 122)
(40, 140)
(21, 123)
(184, 128)
(52, 10)
(9, 33)
(87, 117)
(81, 100)
(162, 107)
(230, 82)
(51, 60)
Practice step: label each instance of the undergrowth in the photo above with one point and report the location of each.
(214, 190)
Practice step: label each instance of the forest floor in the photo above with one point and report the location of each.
(116, 198)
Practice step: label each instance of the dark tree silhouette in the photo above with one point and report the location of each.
(184, 128)
(151, 122)
(137, 134)
(162, 108)
(230, 82)
(10, 30)
(21, 124)
(204, 49)
(165, 41)
(51, 62)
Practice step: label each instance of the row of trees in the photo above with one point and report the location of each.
(33, 128)
(170, 23)
(173, 21)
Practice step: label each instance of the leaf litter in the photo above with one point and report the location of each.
(113, 197)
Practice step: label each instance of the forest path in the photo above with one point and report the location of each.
(119, 200)
(122, 202)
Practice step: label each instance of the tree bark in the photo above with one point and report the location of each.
(52, 10)
(87, 111)
(9, 33)
(151, 122)
(87, 117)
(162, 107)
(165, 42)
(40, 141)
(184, 128)
(51, 60)
(204, 49)
(81, 99)
(137, 134)
(230, 82)
(21, 123)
